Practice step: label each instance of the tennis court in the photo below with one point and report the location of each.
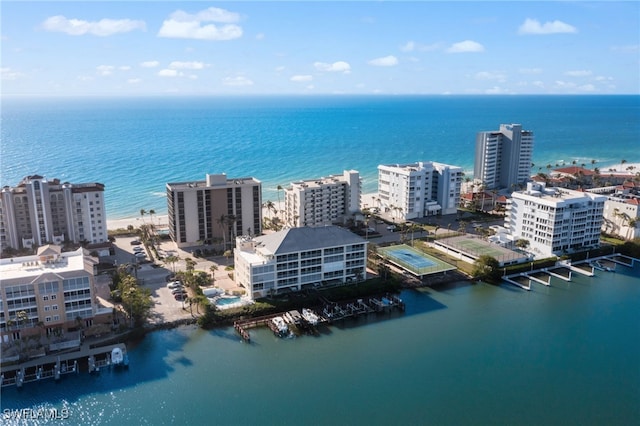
(414, 261)
(470, 248)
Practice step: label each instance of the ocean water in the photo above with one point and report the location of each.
(135, 146)
(460, 355)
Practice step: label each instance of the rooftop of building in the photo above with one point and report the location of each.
(48, 260)
(554, 195)
(325, 180)
(55, 184)
(213, 181)
(294, 240)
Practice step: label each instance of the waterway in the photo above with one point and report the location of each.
(460, 355)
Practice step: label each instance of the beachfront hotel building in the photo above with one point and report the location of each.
(555, 220)
(298, 258)
(324, 201)
(50, 292)
(214, 209)
(410, 191)
(39, 211)
(503, 157)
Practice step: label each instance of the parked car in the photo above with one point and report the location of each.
(135, 242)
(174, 284)
(391, 227)
(141, 254)
(178, 290)
(180, 296)
(138, 249)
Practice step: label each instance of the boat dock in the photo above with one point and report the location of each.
(564, 269)
(56, 365)
(326, 314)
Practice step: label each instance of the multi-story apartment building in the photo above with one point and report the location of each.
(39, 211)
(622, 215)
(297, 258)
(409, 191)
(215, 209)
(503, 157)
(555, 220)
(48, 291)
(324, 201)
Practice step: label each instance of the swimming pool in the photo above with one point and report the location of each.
(227, 300)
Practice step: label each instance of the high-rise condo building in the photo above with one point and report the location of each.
(215, 209)
(297, 258)
(409, 191)
(503, 157)
(39, 211)
(323, 201)
(555, 220)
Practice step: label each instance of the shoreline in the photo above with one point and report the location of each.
(162, 220)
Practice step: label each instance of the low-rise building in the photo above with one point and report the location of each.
(622, 215)
(555, 220)
(50, 292)
(296, 258)
(324, 201)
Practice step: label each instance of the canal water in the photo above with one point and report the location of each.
(460, 355)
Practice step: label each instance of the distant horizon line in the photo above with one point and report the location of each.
(308, 95)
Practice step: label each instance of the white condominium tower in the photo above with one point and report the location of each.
(555, 220)
(503, 158)
(216, 208)
(39, 211)
(409, 191)
(323, 201)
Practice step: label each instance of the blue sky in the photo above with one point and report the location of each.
(228, 48)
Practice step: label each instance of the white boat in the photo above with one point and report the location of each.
(310, 316)
(281, 326)
(118, 357)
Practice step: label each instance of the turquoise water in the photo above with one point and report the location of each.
(136, 145)
(460, 355)
(227, 300)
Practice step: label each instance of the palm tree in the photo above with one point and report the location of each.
(151, 213)
(190, 264)
(172, 260)
(213, 269)
(279, 188)
(593, 162)
(222, 221)
(142, 213)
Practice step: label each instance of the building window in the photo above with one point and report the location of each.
(47, 319)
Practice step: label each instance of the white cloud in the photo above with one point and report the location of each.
(530, 70)
(105, 70)
(339, 66)
(301, 78)
(124, 68)
(169, 73)
(410, 46)
(603, 78)
(177, 65)
(485, 75)
(84, 78)
(538, 83)
(497, 90)
(149, 64)
(280, 68)
(631, 48)
(260, 36)
(184, 25)
(578, 73)
(466, 46)
(385, 61)
(9, 74)
(102, 28)
(533, 26)
(134, 80)
(238, 81)
(587, 88)
(560, 84)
